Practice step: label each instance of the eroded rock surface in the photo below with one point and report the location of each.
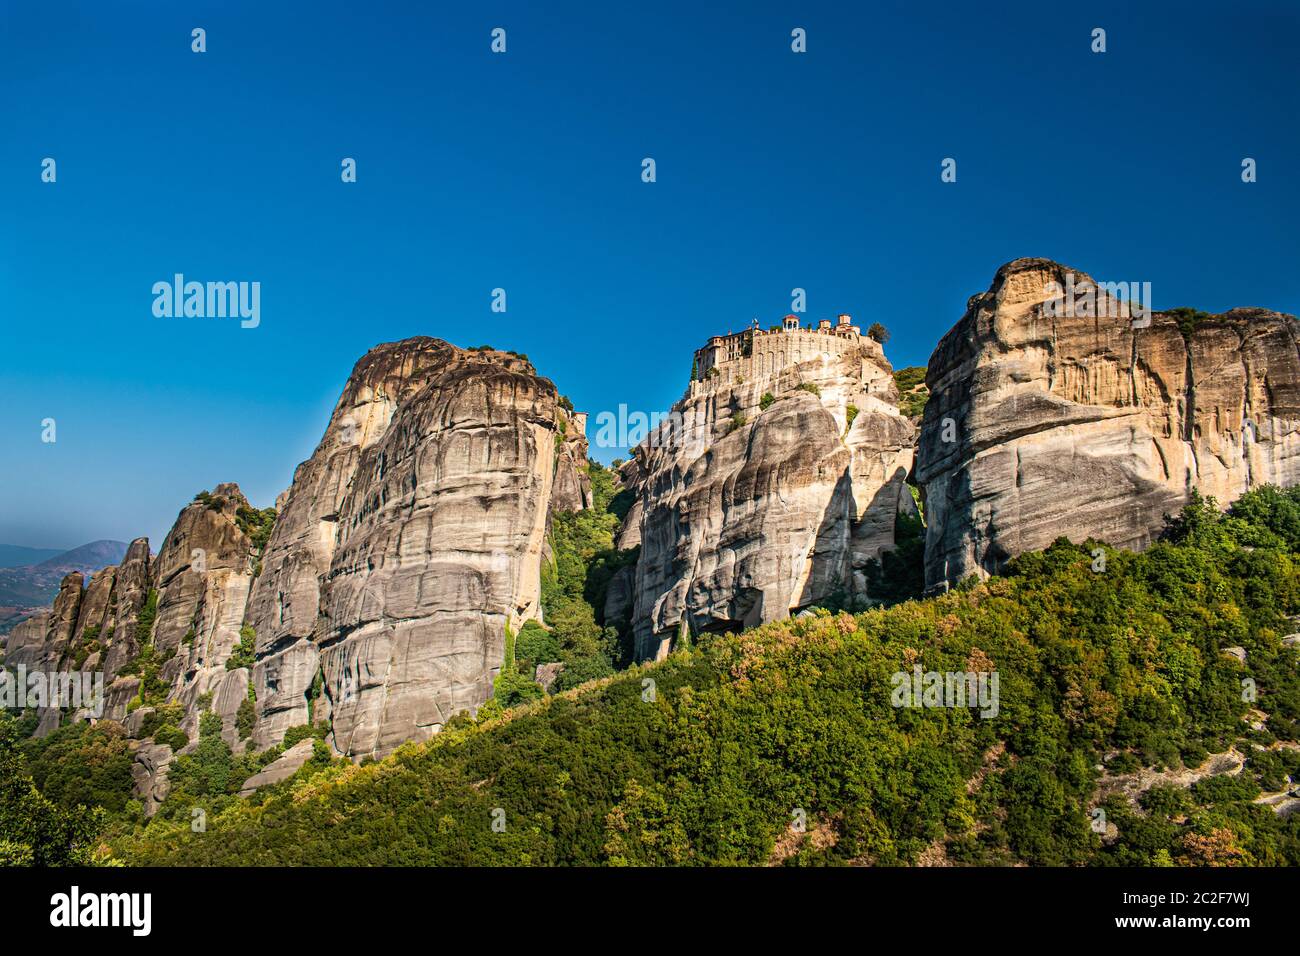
(281, 768)
(149, 772)
(408, 543)
(773, 483)
(1043, 424)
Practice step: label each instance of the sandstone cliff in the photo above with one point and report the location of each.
(409, 542)
(203, 574)
(774, 481)
(406, 546)
(159, 629)
(90, 629)
(1043, 424)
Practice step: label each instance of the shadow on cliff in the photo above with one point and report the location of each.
(896, 574)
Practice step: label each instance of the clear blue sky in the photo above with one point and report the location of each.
(522, 170)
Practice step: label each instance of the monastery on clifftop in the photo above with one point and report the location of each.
(758, 352)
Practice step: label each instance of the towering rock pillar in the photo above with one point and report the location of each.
(1063, 414)
(771, 485)
(409, 542)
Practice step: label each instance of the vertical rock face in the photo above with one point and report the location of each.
(770, 486)
(131, 583)
(1092, 423)
(203, 575)
(286, 601)
(149, 774)
(63, 621)
(572, 490)
(408, 543)
(25, 644)
(92, 617)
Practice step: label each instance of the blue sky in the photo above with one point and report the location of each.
(522, 171)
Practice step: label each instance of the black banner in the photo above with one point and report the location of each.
(323, 906)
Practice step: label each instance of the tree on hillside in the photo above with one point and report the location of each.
(878, 332)
(33, 830)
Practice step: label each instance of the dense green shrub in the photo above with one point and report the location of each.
(301, 732)
(258, 525)
(1188, 318)
(81, 765)
(36, 830)
(246, 718)
(145, 618)
(245, 652)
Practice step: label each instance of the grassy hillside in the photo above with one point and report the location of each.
(782, 745)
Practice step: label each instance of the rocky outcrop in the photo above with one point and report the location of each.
(547, 674)
(281, 768)
(63, 622)
(409, 542)
(631, 477)
(769, 487)
(92, 618)
(132, 581)
(149, 772)
(198, 585)
(406, 546)
(118, 696)
(572, 491)
(1047, 419)
(41, 643)
(25, 644)
(204, 574)
(620, 595)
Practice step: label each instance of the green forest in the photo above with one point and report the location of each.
(780, 745)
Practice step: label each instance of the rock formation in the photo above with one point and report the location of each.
(203, 575)
(769, 486)
(1049, 419)
(149, 773)
(282, 768)
(406, 546)
(409, 542)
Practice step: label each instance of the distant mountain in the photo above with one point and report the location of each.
(16, 556)
(87, 557)
(36, 584)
